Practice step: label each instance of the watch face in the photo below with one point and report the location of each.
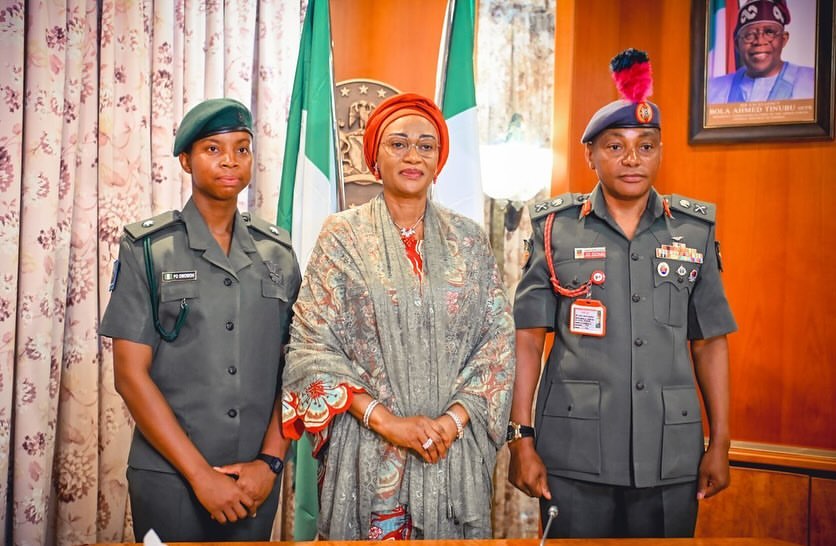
(275, 464)
(512, 434)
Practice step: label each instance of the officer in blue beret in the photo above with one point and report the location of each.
(629, 282)
(199, 315)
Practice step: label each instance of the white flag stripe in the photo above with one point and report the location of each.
(459, 185)
(313, 200)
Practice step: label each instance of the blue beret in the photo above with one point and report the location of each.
(622, 113)
(212, 117)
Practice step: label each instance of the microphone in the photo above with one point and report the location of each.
(553, 511)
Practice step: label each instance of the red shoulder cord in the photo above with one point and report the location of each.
(582, 289)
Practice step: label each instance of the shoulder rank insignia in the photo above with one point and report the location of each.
(699, 209)
(556, 204)
(266, 228)
(140, 230)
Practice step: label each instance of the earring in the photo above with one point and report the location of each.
(376, 172)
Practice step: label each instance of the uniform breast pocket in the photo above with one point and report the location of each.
(574, 273)
(173, 294)
(672, 285)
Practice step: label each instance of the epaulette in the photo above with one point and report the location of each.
(699, 209)
(266, 228)
(556, 204)
(140, 230)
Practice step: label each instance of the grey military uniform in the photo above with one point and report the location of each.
(222, 373)
(623, 409)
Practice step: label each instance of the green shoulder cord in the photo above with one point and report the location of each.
(155, 300)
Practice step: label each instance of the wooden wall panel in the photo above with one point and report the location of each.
(395, 42)
(759, 503)
(822, 512)
(776, 219)
(777, 201)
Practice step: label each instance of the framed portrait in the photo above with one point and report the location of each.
(761, 70)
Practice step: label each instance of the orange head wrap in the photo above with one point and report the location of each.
(398, 106)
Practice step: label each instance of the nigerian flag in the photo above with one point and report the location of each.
(308, 194)
(716, 61)
(722, 16)
(459, 185)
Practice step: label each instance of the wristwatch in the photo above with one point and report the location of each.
(275, 463)
(517, 431)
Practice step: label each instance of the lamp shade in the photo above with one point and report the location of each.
(515, 171)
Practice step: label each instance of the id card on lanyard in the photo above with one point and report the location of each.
(587, 317)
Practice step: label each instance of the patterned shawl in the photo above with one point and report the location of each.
(365, 322)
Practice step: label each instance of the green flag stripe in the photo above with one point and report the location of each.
(312, 88)
(318, 98)
(460, 94)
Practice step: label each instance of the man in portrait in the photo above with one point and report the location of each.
(760, 36)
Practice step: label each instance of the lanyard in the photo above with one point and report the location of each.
(583, 289)
(155, 298)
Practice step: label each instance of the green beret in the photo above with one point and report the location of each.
(212, 117)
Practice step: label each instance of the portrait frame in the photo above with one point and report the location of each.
(702, 124)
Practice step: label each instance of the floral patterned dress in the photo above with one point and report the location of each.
(365, 322)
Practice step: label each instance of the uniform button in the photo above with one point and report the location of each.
(685, 413)
(634, 256)
(636, 298)
(230, 325)
(227, 281)
(639, 386)
(569, 408)
(638, 342)
(233, 413)
(232, 370)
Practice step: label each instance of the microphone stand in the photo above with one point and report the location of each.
(553, 511)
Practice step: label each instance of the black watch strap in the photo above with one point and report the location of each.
(517, 431)
(275, 463)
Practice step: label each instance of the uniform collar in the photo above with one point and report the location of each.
(201, 239)
(598, 206)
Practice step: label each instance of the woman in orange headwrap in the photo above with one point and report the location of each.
(401, 357)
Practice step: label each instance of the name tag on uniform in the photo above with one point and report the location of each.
(171, 276)
(591, 253)
(588, 318)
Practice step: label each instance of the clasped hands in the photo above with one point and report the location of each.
(429, 438)
(233, 492)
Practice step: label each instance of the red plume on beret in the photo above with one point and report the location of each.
(632, 75)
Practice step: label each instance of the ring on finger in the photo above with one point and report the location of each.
(427, 444)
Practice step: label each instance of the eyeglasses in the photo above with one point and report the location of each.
(399, 147)
(769, 34)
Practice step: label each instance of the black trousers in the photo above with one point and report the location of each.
(590, 510)
(165, 502)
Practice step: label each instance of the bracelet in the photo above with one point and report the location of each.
(459, 425)
(368, 413)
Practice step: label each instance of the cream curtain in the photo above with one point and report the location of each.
(515, 73)
(91, 95)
